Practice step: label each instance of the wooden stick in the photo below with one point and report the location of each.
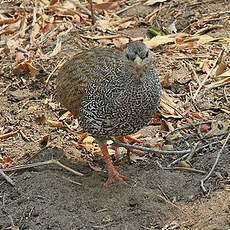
(82, 7)
(55, 162)
(9, 134)
(209, 73)
(214, 165)
(7, 178)
(186, 169)
(127, 146)
(92, 12)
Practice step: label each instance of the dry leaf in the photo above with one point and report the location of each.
(167, 147)
(135, 158)
(25, 67)
(45, 140)
(55, 124)
(95, 168)
(226, 111)
(107, 5)
(205, 67)
(52, 2)
(57, 48)
(120, 43)
(223, 75)
(152, 2)
(184, 164)
(158, 40)
(88, 140)
(34, 32)
(167, 106)
(65, 115)
(13, 44)
(33, 107)
(126, 25)
(227, 79)
(204, 128)
(221, 68)
(219, 128)
(166, 82)
(172, 28)
(206, 39)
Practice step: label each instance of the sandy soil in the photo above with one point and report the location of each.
(50, 197)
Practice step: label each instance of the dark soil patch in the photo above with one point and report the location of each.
(49, 197)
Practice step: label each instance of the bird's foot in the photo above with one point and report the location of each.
(127, 140)
(112, 173)
(132, 139)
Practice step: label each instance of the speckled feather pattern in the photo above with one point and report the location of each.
(101, 87)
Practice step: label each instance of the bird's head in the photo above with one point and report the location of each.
(138, 53)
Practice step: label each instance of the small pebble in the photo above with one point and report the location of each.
(133, 202)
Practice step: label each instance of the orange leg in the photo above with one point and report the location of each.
(112, 172)
(132, 139)
(124, 140)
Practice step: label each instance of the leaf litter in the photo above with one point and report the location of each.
(34, 35)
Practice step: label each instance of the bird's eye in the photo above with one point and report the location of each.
(147, 54)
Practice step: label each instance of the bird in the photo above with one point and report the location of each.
(113, 93)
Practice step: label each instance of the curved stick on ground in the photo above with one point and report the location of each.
(149, 150)
(55, 162)
(214, 165)
(8, 179)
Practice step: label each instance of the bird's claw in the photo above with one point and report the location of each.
(117, 176)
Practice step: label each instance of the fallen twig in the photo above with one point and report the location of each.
(60, 63)
(214, 165)
(191, 154)
(82, 7)
(166, 200)
(178, 159)
(71, 181)
(7, 178)
(55, 162)
(9, 134)
(209, 73)
(219, 85)
(92, 11)
(186, 169)
(127, 146)
(188, 154)
(127, 8)
(193, 125)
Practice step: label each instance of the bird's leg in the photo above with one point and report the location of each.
(132, 139)
(112, 172)
(125, 141)
(117, 152)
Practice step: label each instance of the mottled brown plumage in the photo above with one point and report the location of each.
(113, 93)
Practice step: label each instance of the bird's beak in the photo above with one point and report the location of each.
(139, 65)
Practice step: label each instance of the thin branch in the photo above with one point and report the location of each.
(209, 73)
(219, 85)
(127, 8)
(214, 165)
(83, 8)
(7, 178)
(186, 169)
(178, 159)
(127, 146)
(92, 12)
(193, 125)
(55, 162)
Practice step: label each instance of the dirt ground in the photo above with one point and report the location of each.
(49, 197)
